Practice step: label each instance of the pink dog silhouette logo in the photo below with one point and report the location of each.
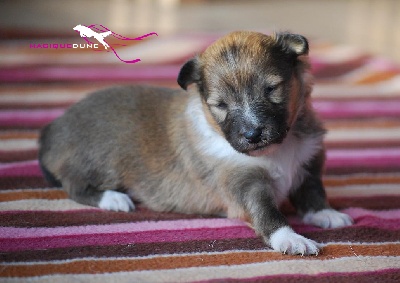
(100, 32)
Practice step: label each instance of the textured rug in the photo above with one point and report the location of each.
(45, 237)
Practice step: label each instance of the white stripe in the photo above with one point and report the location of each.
(45, 96)
(363, 134)
(361, 175)
(363, 190)
(18, 144)
(388, 88)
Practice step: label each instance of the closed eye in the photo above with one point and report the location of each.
(269, 89)
(222, 105)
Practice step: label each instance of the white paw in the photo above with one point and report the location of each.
(328, 218)
(116, 201)
(287, 241)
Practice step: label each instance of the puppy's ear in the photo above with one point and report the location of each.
(189, 73)
(292, 43)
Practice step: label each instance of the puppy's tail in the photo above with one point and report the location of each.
(50, 178)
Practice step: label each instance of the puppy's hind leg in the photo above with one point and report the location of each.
(85, 193)
(116, 201)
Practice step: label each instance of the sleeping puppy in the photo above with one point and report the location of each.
(240, 140)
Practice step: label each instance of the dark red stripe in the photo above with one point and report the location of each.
(20, 155)
(20, 182)
(361, 170)
(86, 217)
(135, 250)
(354, 233)
(372, 202)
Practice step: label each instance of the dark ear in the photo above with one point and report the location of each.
(189, 73)
(292, 43)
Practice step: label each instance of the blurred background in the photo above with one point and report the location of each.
(371, 25)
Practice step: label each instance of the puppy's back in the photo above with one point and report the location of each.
(103, 136)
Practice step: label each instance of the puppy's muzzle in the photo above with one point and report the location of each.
(261, 140)
(253, 135)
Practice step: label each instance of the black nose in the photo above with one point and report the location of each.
(253, 135)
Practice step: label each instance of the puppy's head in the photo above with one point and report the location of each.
(253, 86)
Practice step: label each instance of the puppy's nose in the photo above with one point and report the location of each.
(253, 135)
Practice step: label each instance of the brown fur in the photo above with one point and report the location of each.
(191, 151)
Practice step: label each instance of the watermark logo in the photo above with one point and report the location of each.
(87, 32)
(99, 33)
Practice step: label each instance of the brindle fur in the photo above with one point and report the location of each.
(184, 151)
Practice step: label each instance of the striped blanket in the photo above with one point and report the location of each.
(45, 237)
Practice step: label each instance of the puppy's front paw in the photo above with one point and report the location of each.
(116, 201)
(287, 241)
(328, 218)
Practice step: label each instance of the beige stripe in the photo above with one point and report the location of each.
(42, 205)
(299, 266)
(363, 190)
(361, 179)
(389, 88)
(363, 124)
(47, 97)
(18, 144)
(369, 134)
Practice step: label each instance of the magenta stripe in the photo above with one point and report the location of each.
(336, 158)
(7, 245)
(12, 232)
(24, 168)
(92, 73)
(357, 108)
(374, 158)
(361, 212)
(33, 118)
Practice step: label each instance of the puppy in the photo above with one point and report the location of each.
(241, 139)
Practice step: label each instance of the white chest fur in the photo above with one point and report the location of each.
(284, 164)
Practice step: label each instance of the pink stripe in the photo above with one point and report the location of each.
(29, 117)
(57, 241)
(362, 222)
(12, 232)
(126, 238)
(109, 73)
(360, 212)
(351, 109)
(17, 169)
(374, 158)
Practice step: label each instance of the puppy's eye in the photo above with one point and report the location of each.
(222, 105)
(268, 90)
